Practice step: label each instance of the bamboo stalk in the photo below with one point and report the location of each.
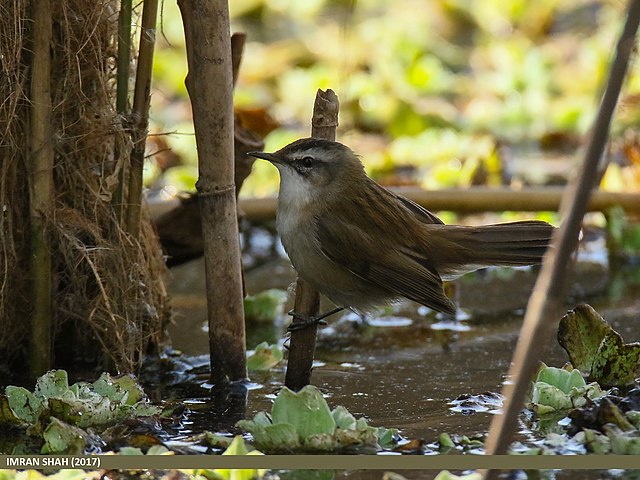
(302, 346)
(474, 200)
(41, 188)
(141, 100)
(122, 93)
(210, 86)
(543, 310)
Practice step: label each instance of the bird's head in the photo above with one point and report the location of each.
(311, 168)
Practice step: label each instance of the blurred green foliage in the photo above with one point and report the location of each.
(438, 85)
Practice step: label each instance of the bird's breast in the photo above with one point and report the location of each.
(298, 232)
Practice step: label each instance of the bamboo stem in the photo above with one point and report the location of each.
(210, 86)
(41, 188)
(474, 200)
(544, 305)
(238, 40)
(303, 342)
(122, 94)
(141, 101)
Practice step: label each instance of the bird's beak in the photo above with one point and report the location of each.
(270, 157)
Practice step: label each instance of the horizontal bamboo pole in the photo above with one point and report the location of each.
(476, 199)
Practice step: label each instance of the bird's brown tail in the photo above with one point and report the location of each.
(509, 244)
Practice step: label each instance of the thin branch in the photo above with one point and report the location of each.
(141, 100)
(122, 93)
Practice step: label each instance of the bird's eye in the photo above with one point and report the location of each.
(307, 162)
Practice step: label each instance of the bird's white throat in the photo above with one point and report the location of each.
(294, 189)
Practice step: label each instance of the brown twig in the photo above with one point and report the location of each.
(303, 342)
(122, 95)
(41, 189)
(238, 40)
(141, 100)
(543, 310)
(210, 86)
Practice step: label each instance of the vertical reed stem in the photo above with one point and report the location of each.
(210, 86)
(141, 100)
(302, 346)
(122, 94)
(41, 188)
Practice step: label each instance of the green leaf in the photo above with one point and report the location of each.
(264, 306)
(237, 447)
(54, 383)
(593, 441)
(327, 441)
(561, 378)
(130, 451)
(306, 410)
(158, 450)
(262, 418)
(547, 398)
(271, 438)
(623, 443)
(303, 420)
(83, 404)
(445, 441)
(24, 404)
(386, 436)
(361, 436)
(597, 349)
(343, 418)
(7, 416)
(264, 357)
(615, 363)
(580, 333)
(123, 389)
(634, 417)
(214, 440)
(60, 437)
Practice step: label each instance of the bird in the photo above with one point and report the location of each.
(362, 246)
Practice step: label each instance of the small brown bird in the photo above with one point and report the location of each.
(362, 245)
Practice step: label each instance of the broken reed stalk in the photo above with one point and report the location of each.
(302, 345)
(141, 100)
(122, 94)
(210, 86)
(544, 305)
(41, 188)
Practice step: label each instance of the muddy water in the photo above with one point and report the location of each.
(403, 368)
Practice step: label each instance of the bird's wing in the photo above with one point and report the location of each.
(375, 261)
(424, 215)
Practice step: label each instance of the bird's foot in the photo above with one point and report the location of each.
(306, 321)
(300, 321)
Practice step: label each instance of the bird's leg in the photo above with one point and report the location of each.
(309, 320)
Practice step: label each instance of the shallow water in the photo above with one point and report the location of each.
(403, 368)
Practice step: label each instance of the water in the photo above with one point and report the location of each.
(404, 368)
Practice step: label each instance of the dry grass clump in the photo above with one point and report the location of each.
(108, 287)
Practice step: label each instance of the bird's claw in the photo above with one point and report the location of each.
(304, 321)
